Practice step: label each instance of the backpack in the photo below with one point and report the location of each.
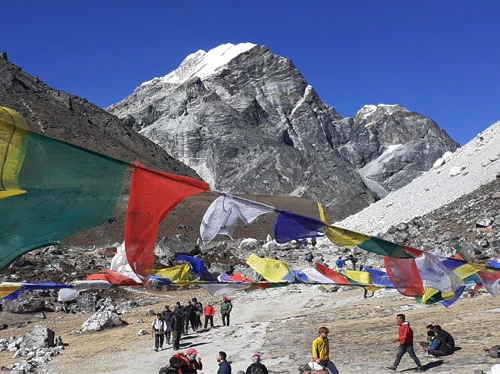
(199, 308)
(176, 364)
(256, 369)
(169, 370)
(309, 257)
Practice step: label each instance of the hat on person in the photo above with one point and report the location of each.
(224, 299)
(178, 303)
(255, 357)
(191, 351)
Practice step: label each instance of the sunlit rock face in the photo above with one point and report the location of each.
(247, 121)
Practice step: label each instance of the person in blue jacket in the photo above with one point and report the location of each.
(224, 367)
(339, 263)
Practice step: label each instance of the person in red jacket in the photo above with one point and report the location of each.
(405, 340)
(209, 312)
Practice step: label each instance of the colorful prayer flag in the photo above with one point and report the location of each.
(222, 215)
(153, 195)
(290, 226)
(270, 269)
(49, 189)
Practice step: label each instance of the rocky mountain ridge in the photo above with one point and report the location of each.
(248, 122)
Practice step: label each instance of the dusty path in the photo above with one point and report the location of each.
(280, 324)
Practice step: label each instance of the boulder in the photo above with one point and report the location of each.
(103, 318)
(87, 302)
(27, 302)
(39, 337)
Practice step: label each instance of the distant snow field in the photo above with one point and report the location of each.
(469, 167)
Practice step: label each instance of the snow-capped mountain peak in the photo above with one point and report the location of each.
(389, 109)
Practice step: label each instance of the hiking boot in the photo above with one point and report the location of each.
(156, 349)
(391, 368)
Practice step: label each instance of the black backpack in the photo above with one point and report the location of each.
(169, 370)
(199, 307)
(256, 369)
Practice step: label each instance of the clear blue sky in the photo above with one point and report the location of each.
(438, 58)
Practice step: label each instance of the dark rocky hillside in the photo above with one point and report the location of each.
(66, 117)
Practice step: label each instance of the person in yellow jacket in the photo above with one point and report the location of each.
(321, 351)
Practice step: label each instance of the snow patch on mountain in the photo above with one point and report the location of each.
(203, 64)
(478, 163)
(375, 167)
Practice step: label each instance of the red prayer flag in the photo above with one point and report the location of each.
(114, 277)
(332, 274)
(403, 273)
(153, 195)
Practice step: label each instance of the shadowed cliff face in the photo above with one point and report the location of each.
(255, 126)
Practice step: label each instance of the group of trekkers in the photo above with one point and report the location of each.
(169, 325)
(439, 343)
